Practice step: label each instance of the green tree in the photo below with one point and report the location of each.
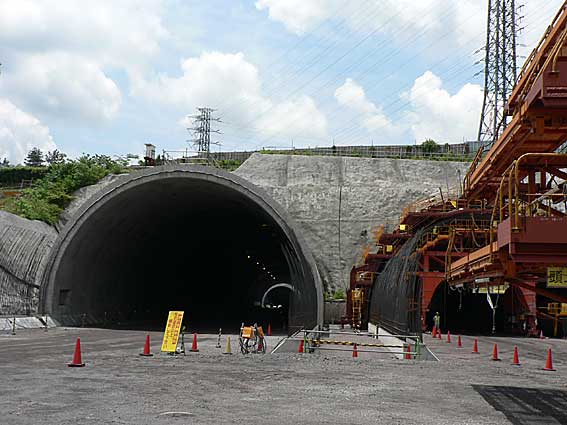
(34, 158)
(55, 157)
(430, 146)
(339, 294)
(50, 195)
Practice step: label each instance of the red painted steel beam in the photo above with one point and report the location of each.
(540, 291)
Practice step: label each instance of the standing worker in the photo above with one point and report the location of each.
(437, 321)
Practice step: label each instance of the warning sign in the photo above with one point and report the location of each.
(557, 277)
(172, 329)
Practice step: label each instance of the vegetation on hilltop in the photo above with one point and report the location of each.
(51, 193)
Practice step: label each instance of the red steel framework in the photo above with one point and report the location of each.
(510, 225)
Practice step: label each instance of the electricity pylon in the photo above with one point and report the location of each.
(500, 69)
(201, 131)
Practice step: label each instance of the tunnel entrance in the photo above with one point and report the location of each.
(195, 239)
(468, 311)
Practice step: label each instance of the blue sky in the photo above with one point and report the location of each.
(107, 76)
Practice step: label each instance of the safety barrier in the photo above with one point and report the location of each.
(312, 340)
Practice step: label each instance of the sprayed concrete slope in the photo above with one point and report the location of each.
(24, 248)
(370, 192)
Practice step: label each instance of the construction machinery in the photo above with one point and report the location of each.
(507, 226)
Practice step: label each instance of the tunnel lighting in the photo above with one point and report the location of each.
(248, 256)
(263, 268)
(257, 263)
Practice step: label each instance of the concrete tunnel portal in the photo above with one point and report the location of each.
(189, 238)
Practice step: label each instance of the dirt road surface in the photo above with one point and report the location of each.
(120, 387)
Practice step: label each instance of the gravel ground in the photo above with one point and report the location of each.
(119, 387)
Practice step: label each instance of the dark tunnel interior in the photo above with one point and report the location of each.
(178, 244)
(469, 312)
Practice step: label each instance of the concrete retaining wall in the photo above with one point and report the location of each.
(24, 247)
(334, 311)
(338, 201)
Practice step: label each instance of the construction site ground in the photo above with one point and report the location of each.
(118, 386)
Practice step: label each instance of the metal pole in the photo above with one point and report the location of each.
(218, 341)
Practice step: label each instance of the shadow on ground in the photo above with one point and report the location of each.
(527, 405)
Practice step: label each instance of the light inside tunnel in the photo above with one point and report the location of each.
(179, 241)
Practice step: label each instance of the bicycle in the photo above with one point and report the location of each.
(252, 340)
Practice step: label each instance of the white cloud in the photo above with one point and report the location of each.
(430, 112)
(299, 116)
(57, 56)
(298, 16)
(20, 132)
(435, 113)
(119, 33)
(61, 85)
(211, 79)
(232, 84)
(457, 23)
(401, 18)
(372, 117)
(352, 95)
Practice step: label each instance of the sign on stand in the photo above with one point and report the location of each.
(171, 335)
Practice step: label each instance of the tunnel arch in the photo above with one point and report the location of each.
(178, 237)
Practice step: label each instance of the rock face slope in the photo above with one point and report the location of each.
(337, 201)
(24, 248)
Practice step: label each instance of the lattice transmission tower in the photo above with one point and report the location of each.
(500, 69)
(201, 131)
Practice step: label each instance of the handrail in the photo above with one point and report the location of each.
(528, 74)
(511, 180)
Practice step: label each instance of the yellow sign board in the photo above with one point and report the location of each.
(172, 329)
(500, 289)
(557, 277)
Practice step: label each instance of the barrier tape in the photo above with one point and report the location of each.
(361, 344)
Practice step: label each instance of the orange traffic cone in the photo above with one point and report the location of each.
(434, 332)
(408, 351)
(549, 361)
(194, 348)
(354, 351)
(269, 329)
(449, 337)
(475, 347)
(439, 335)
(459, 344)
(516, 357)
(300, 350)
(541, 335)
(77, 360)
(495, 353)
(146, 352)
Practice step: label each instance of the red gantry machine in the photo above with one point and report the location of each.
(505, 234)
